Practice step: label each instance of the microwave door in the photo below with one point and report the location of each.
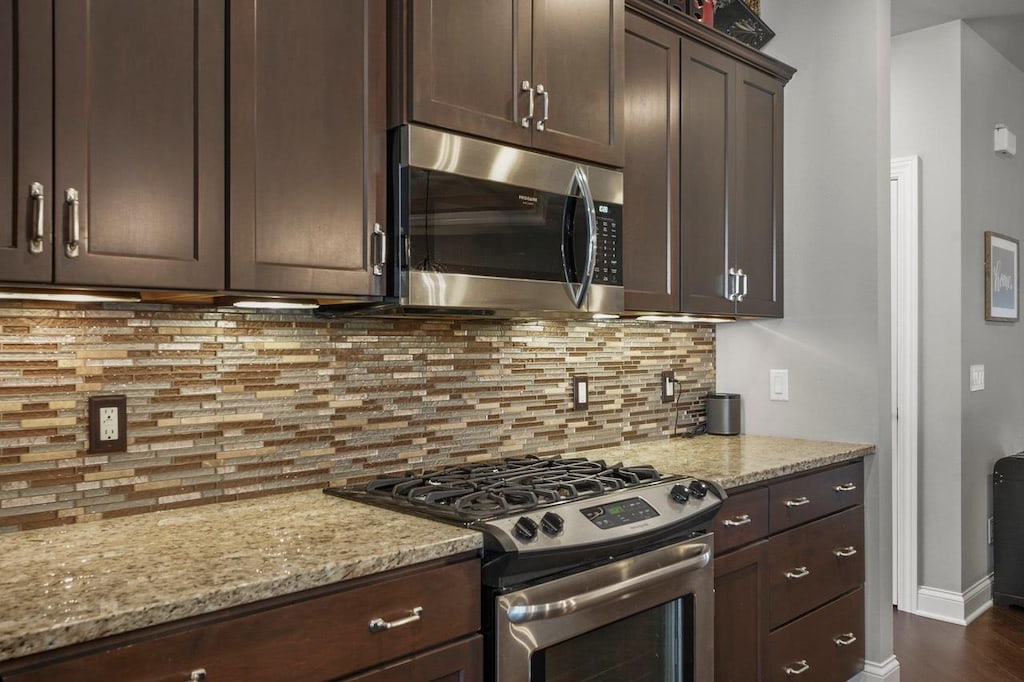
(578, 280)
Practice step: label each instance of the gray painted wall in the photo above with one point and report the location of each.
(834, 338)
(926, 122)
(993, 199)
(949, 90)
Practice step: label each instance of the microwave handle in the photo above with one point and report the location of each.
(579, 295)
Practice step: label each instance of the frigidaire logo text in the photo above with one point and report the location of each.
(528, 199)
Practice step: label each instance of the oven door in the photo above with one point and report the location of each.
(649, 617)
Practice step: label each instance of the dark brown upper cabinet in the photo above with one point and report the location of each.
(546, 74)
(127, 99)
(703, 185)
(308, 180)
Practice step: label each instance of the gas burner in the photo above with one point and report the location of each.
(500, 487)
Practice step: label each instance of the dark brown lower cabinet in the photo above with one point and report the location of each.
(741, 595)
(789, 598)
(323, 634)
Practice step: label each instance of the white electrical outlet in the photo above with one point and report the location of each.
(108, 423)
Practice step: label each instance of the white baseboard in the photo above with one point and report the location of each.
(955, 607)
(886, 671)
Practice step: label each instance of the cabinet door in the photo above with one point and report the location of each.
(468, 62)
(578, 57)
(741, 605)
(139, 134)
(458, 662)
(708, 147)
(756, 209)
(308, 145)
(650, 245)
(26, 134)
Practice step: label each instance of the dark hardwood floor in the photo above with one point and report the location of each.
(991, 649)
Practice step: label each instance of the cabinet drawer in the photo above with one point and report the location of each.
(742, 519)
(813, 564)
(815, 495)
(829, 643)
(462, 661)
(317, 639)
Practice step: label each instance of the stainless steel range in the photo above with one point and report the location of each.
(591, 571)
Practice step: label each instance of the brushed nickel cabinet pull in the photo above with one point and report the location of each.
(198, 675)
(732, 285)
(380, 625)
(529, 115)
(797, 573)
(741, 520)
(800, 669)
(845, 640)
(35, 245)
(542, 91)
(798, 502)
(845, 551)
(74, 227)
(741, 277)
(845, 487)
(381, 244)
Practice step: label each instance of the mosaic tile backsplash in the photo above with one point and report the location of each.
(224, 405)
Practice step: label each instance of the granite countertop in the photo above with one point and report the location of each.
(734, 461)
(67, 585)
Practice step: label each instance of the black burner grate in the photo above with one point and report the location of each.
(497, 488)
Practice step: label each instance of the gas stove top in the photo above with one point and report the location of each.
(545, 514)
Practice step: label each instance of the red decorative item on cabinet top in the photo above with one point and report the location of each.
(706, 9)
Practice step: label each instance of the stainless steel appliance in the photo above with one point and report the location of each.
(590, 571)
(723, 413)
(482, 228)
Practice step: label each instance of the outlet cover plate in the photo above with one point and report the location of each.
(668, 387)
(580, 392)
(977, 377)
(100, 426)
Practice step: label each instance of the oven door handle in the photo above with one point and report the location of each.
(564, 607)
(578, 292)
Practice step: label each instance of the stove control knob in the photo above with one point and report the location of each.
(526, 528)
(552, 523)
(679, 493)
(698, 488)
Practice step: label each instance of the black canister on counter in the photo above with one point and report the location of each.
(723, 413)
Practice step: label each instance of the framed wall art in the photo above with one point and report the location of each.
(1002, 278)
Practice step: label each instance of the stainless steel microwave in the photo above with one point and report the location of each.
(491, 229)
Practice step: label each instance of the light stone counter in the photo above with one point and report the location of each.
(734, 461)
(60, 586)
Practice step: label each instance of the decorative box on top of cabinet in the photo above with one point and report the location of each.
(789, 572)
(703, 186)
(113, 148)
(543, 74)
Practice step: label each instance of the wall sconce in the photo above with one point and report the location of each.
(1005, 141)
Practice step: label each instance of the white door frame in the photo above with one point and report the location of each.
(905, 184)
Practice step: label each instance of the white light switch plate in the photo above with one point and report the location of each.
(778, 384)
(977, 377)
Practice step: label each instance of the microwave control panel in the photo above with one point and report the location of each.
(608, 268)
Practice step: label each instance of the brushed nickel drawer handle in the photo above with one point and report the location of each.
(843, 552)
(529, 115)
(35, 245)
(798, 502)
(800, 670)
(74, 225)
(797, 573)
(380, 625)
(198, 675)
(845, 640)
(845, 487)
(741, 520)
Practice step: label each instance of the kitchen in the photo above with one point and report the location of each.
(263, 402)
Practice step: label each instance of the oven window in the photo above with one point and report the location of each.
(461, 225)
(652, 646)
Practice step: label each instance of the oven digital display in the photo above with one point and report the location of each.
(615, 514)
